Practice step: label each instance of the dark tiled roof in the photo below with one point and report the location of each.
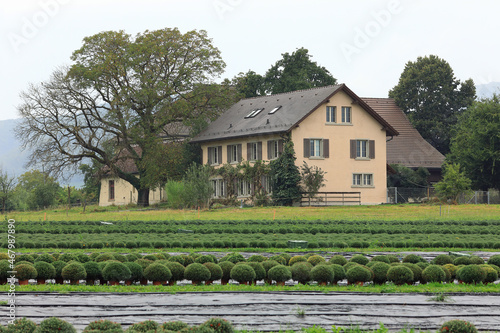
(408, 148)
(295, 106)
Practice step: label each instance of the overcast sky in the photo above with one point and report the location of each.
(364, 44)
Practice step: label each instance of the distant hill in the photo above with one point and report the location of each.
(12, 158)
(487, 90)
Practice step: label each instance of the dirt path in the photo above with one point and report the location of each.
(264, 311)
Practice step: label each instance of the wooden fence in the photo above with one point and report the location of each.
(330, 198)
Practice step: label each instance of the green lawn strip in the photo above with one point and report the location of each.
(431, 288)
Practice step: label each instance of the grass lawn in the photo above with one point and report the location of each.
(409, 212)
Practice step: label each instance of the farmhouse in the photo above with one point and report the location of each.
(331, 127)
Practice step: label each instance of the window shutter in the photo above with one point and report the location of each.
(202, 156)
(327, 114)
(259, 150)
(229, 157)
(249, 151)
(371, 149)
(307, 148)
(326, 148)
(219, 154)
(280, 147)
(269, 144)
(239, 152)
(209, 157)
(353, 148)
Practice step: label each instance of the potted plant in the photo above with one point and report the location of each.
(260, 272)
(114, 272)
(433, 273)
(338, 273)
(93, 270)
(316, 260)
(4, 269)
(21, 325)
(280, 274)
(242, 273)
(136, 272)
(59, 265)
(157, 273)
(358, 275)
(471, 274)
(338, 259)
(380, 269)
(323, 274)
(215, 272)
(400, 275)
(226, 267)
(25, 272)
(144, 263)
(45, 271)
(54, 324)
(457, 325)
(177, 271)
(102, 325)
(74, 272)
(301, 272)
(197, 273)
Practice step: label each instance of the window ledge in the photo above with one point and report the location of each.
(362, 186)
(363, 159)
(316, 158)
(338, 124)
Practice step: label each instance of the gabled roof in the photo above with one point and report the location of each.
(243, 120)
(409, 148)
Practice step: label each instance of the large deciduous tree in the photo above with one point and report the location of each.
(7, 184)
(433, 98)
(476, 143)
(293, 72)
(126, 91)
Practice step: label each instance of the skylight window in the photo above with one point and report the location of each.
(254, 113)
(275, 109)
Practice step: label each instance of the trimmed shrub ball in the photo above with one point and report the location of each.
(103, 325)
(301, 272)
(105, 257)
(21, 325)
(279, 274)
(204, 258)
(358, 274)
(257, 258)
(287, 258)
(323, 274)
(471, 274)
(268, 264)
(260, 272)
(234, 258)
(45, 270)
(176, 269)
(417, 271)
(136, 271)
(53, 324)
(45, 257)
(338, 272)
(196, 273)
(144, 263)
(26, 272)
(25, 257)
(295, 259)
(380, 272)
(491, 273)
(442, 260)
(476, 260)
(494, 260)
(316, 260)
(226, 267)
(116, 272)
(219, 325)
(381, 258)
(157, 272)
(457, 326)
(433, 273)
(462, 261)
(413, 258)
(144, 326)
(281, 260)
(360, 259)
(215, 270)
(243, 273)
(338, 259)
(400, 275)
(93, 270)
(4, 269)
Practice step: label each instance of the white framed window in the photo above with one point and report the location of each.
(331, 114)
(316, 148)
(361, 148)
(254, 151)
(234, 153)
(362, 180)
(219, 188)
(274, 148)
(244, 188)
(346, 114)
(215, 155)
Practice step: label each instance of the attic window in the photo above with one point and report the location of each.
(275, 109)
(254, 113)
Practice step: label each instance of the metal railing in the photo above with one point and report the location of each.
(330, 198)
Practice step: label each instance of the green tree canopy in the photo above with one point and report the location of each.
(433, 98)
(7, 184)
(407, 178)
(41, 189)
(476, 143)
(285, 176)
(127, 91)
(294, 71)
(453, 183)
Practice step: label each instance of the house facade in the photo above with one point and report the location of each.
(331, 127)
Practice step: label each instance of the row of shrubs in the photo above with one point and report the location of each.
(221, 244)
(213, 325)
(114, 267)
(53, 324)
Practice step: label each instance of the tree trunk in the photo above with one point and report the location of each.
(143, 199)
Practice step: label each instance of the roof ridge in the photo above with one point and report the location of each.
(293, 92)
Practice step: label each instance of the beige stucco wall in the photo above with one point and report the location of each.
(125, 193)
(339, 166)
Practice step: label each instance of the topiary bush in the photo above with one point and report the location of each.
(226, 267)
(102, 326)
(471, 274)
(381, 258)
(4, 269)
(323, 274)
(413, 258)
(26, 272)
(457, 326)
(359, 259)
(417, 271)
(476, 260)
(380, 272)
(144, 326)
(491, 273)
(196, 273)
(25, 257)
(301, 272)
(74, 271)
(175, 326)
(338, 259)
(358, 274)
(257, 258)
(234, 258)
(338, 273)
(281, 260)
(105, 257)
(260, 272)
(279, 273)
(316, 260)
(21, 325)
(494, 260)
(442, 260)
(157, 273)
(45, 257)
(219, 325)
(243, 273)
(93, 270)
(204, 258)
(215, 270)
(400, 275)
(433, 273)
(45, 271)
(462, 261)
(53, 324)
(116, 272)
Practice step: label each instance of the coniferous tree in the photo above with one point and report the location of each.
(285, 177)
